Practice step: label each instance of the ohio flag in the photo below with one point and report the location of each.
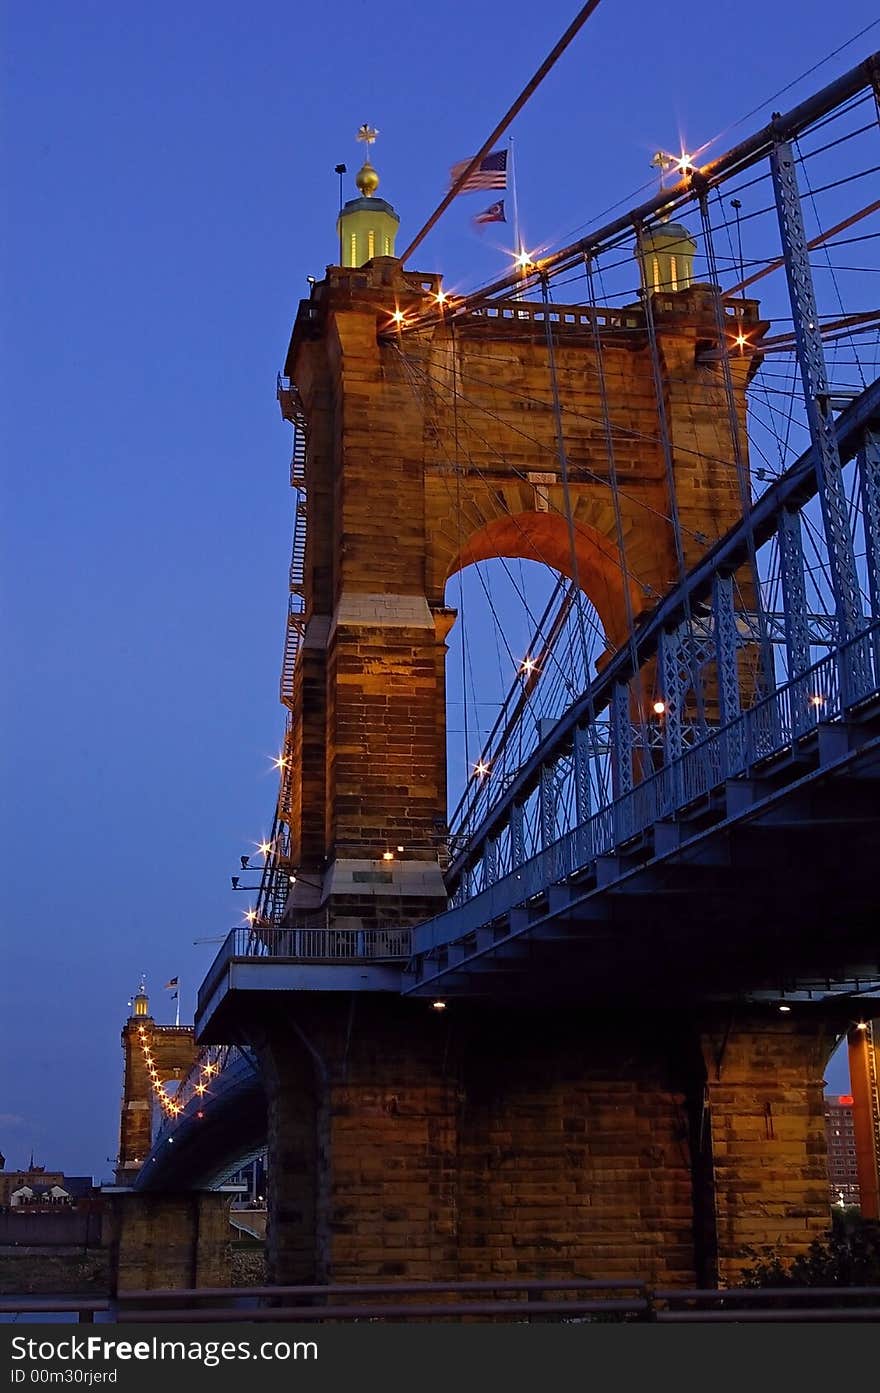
(494, 213)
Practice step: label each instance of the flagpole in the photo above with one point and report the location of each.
(177, 1011)
(516, 238)
(517, 244)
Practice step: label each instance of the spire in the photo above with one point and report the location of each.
(366, 178)
(367, 226)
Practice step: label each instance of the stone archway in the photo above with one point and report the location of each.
(543, 537)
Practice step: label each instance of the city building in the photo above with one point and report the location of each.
(39, 1189)
(840, 1134)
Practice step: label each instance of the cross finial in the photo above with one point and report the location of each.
(367, 134)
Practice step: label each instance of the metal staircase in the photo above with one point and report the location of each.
(291, 410)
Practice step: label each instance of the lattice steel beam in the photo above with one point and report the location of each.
(727, 644)
(547, 795)
(869, 485)
(814, 376)
(794, 595)
(621, 740)
(490, 861)
(517, 834)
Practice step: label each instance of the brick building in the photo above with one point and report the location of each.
(843, 1180)
(37, 1188)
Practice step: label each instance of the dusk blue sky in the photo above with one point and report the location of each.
(168, 176)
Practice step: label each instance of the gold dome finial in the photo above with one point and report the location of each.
(366, 178)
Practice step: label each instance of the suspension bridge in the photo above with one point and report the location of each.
(579, 1024)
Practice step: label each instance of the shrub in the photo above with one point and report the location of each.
(849, 1257)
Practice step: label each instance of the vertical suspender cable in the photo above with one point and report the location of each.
(566, 499)
(742, 473)
(668, 463)
(615, 496)
(563, 468)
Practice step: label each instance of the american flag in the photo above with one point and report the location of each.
(494, 213)
(490, 173)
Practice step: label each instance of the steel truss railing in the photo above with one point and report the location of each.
(826, 692)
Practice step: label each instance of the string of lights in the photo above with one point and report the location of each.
(173, 1104)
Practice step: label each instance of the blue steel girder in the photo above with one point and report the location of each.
(794, 593)
(821, 628)
(517, 834)
(794, 601)
(869, 485)
(549, 796)
(621, 740)
(727, 643)
(678, 673)
(490, 861)
(675, 679)
(582, 792)
(814, 376)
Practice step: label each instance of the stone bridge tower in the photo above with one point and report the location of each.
(432, 442)
(153, 1055)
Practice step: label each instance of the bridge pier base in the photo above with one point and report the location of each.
(475, 1142)
(472, 1142)
(767, 1181)
(169, 1240)
(362, 1098)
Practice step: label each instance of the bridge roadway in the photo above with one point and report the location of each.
(763, 885)
(215, 1135)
